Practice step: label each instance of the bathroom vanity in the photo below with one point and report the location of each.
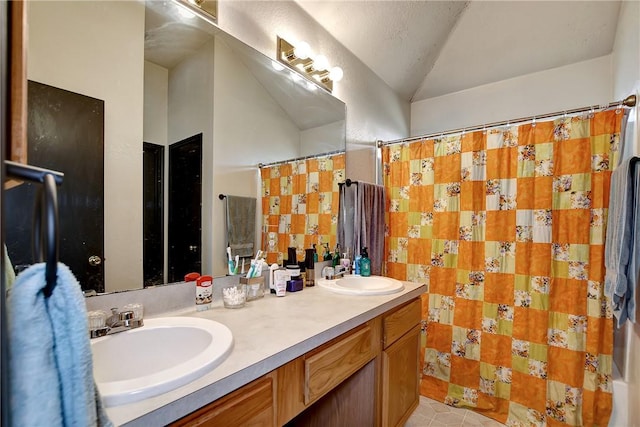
(311, 358)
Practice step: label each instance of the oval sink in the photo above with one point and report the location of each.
(160, 356)
(358, 285)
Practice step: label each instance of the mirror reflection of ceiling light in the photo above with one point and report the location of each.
(185, 13)
(205, 9)
(316, 68)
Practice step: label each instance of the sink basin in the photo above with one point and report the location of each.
(160, 356)
(358, 285)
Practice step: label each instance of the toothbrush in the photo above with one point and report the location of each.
(237, 264)
(250, 272)
(230, 262)
(257, 264)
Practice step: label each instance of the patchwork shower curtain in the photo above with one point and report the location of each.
(300, 205)
(507, 227)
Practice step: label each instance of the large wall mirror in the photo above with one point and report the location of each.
(176, 112)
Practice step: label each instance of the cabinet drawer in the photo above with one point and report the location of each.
(251, 405)
(396, 324)
(330, 366)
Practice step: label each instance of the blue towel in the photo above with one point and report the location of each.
(51, 380)
(633, 271)
(620, 243)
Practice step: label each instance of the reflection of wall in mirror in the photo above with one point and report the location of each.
(321, 139)
(249, 127)
(178, 105)
(62, 54)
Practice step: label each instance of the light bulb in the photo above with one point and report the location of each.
(336, 74)
(302, 50)
(277, 66)
(321, 63)
(311, 86)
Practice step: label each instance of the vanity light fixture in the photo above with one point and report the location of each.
(208, 8)
(315, 68)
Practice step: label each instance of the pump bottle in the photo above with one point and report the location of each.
(365, 264)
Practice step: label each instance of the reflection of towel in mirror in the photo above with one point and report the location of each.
(49, 353)
(622, 241)
(241, 225)
(361, 221)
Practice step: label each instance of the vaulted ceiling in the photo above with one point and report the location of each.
(423, 49)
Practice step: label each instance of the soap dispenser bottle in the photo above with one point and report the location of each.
(336, 256)
(365, 264)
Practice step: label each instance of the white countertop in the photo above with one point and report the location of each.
(267, 333)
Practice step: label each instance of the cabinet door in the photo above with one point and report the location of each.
(400, 386)
(251, 405)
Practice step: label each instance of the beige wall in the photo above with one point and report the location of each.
(572, 86)
(69, 49)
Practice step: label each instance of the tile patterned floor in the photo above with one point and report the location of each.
(431, 413)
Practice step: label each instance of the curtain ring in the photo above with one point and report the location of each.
(533, 122)
(619, 109)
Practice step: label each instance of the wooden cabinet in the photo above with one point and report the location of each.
(251, 405)
(366, 376)
(400, 364)
(304, 380)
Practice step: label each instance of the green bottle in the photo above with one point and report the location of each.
(365, 264)
(327, 253)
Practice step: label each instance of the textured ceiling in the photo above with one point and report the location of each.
(423, 49)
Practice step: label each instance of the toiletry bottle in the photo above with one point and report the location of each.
(356, 264)
(204, 291)
(365, 264)
(327, 253)
(336, 256)
(315, 254)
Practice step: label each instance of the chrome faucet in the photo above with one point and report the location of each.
(117, 322)
(339, 271)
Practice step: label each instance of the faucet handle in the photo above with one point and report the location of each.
(126, 315)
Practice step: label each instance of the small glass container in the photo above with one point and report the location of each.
(137, 308)
(254, 287)
(234, 296)
(97, 319)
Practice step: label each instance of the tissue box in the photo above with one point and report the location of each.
(254, 286)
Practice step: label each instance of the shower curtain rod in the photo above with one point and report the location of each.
(313, 156)
(629, 101)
